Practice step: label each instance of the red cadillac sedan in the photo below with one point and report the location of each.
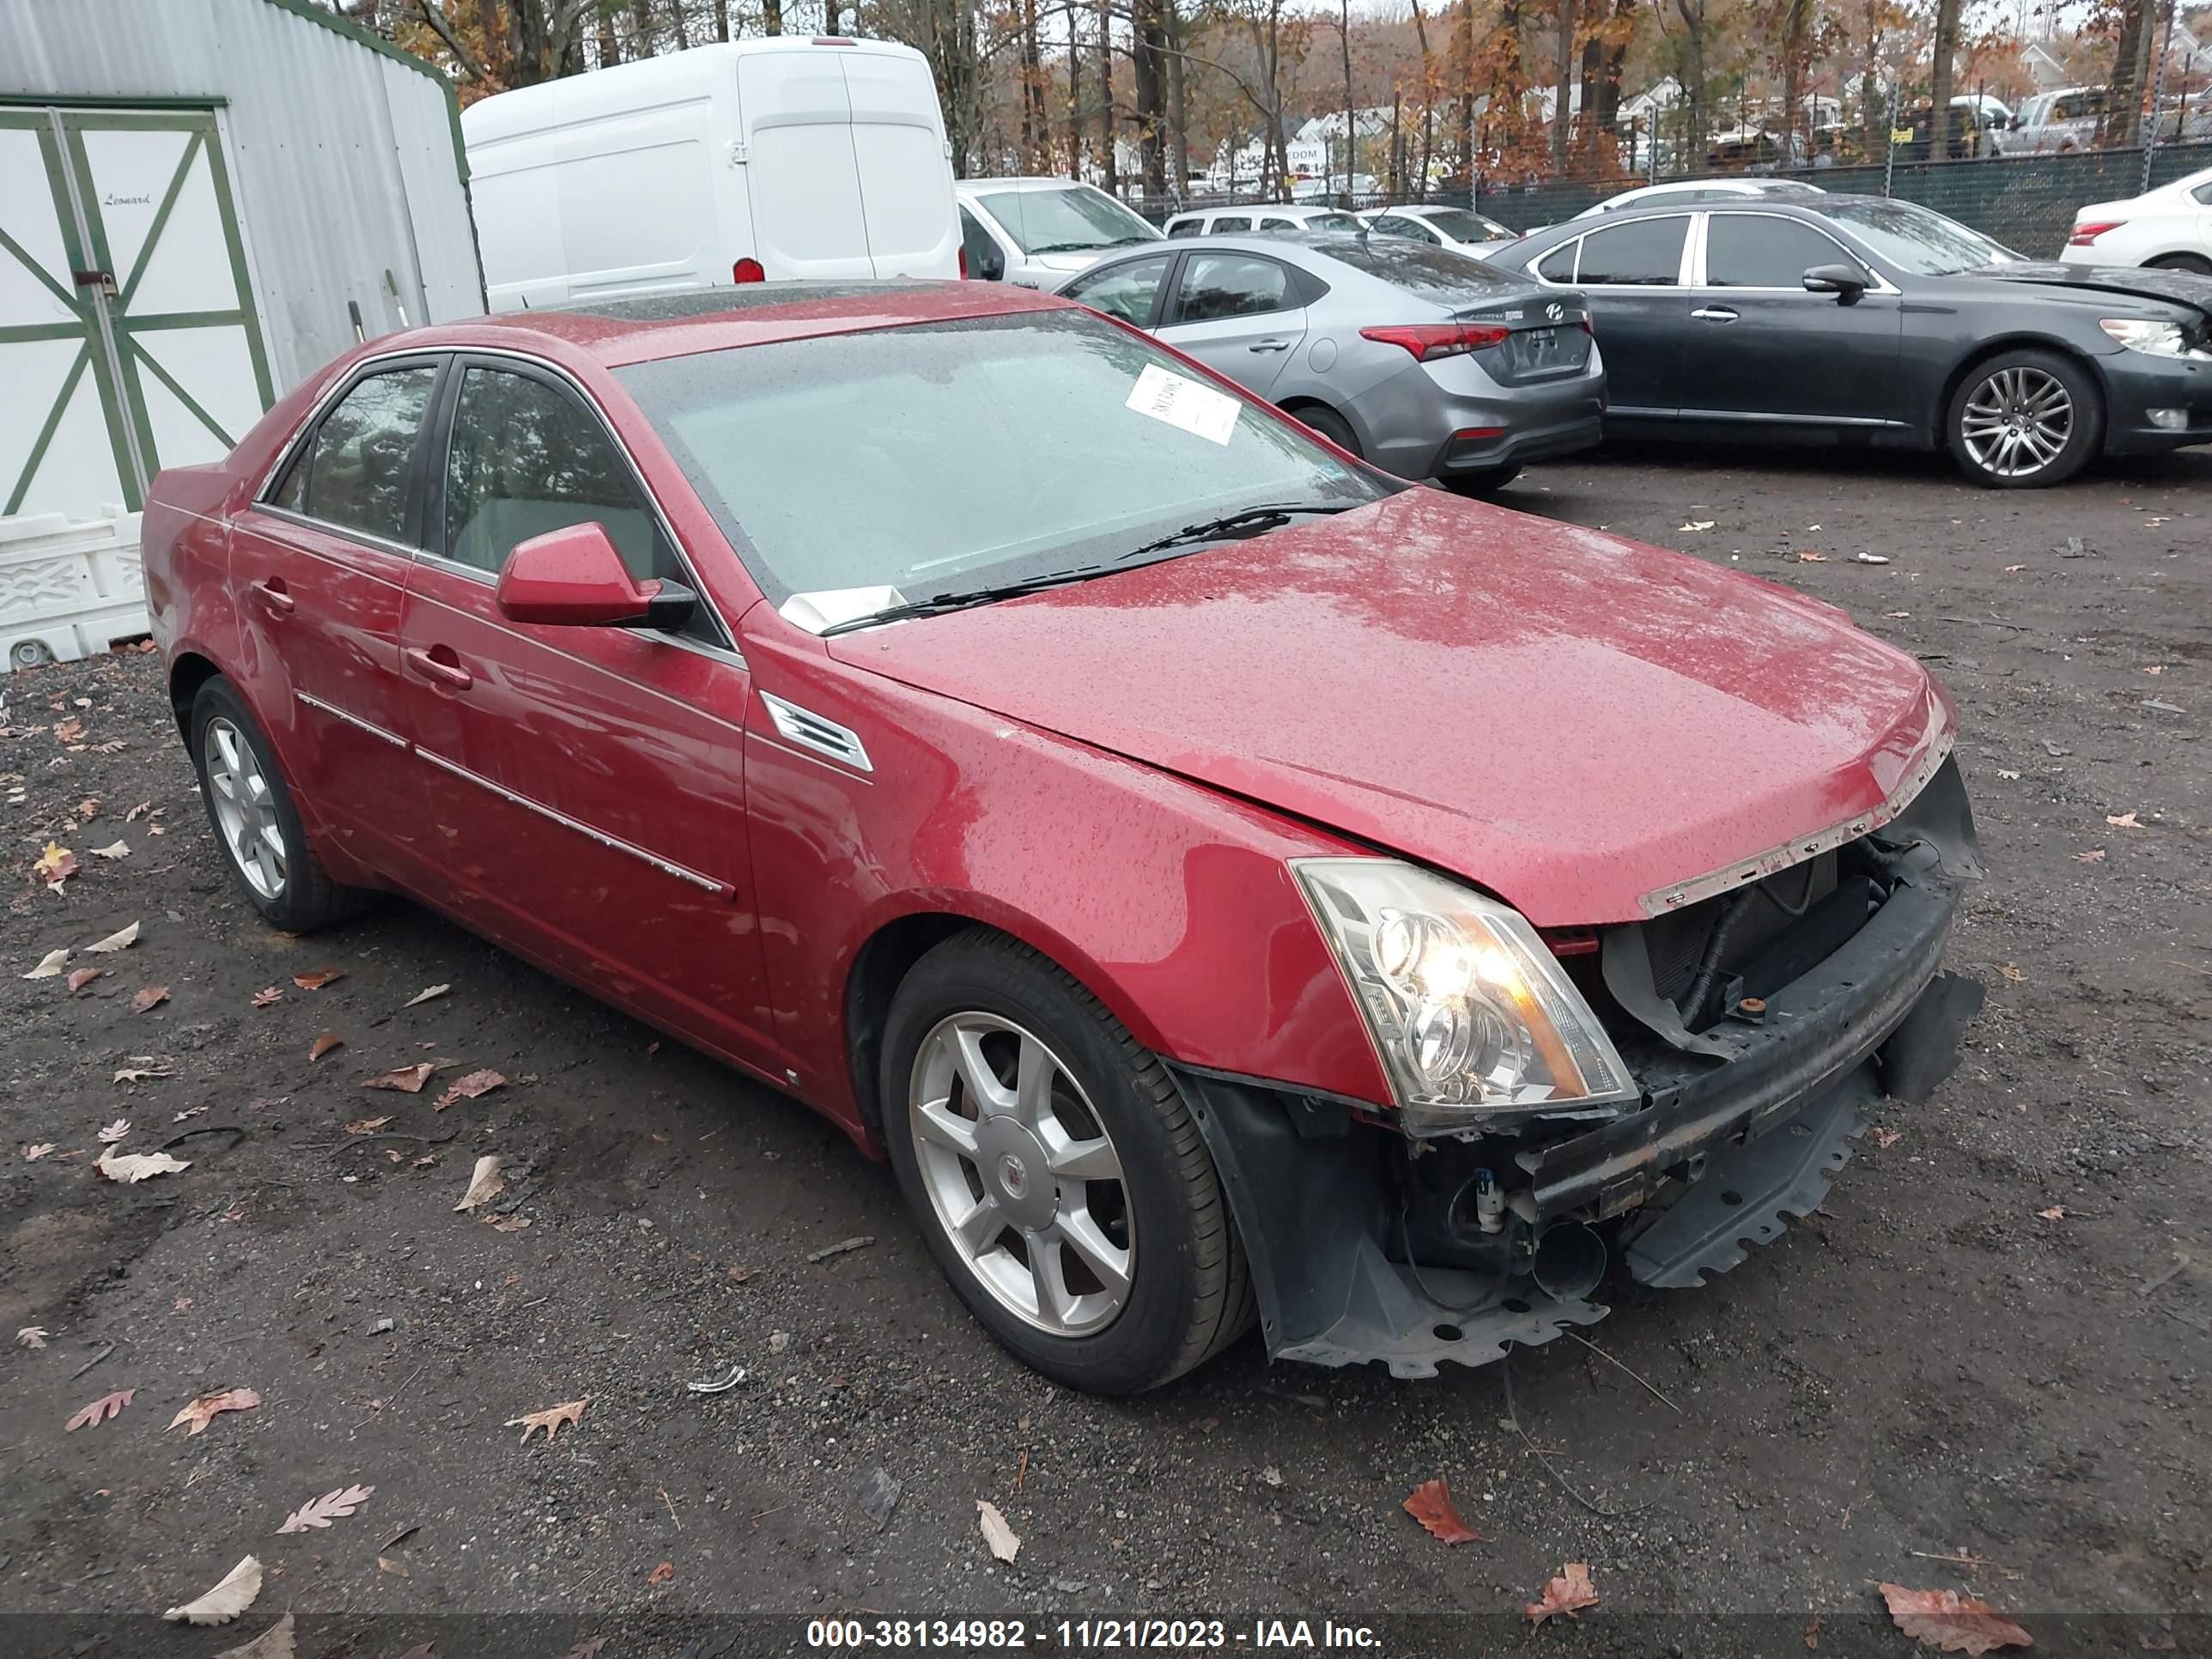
(1227, 883)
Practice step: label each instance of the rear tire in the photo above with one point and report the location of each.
(2195, 264)
(257, 826)
(2025, 420)
(1067, 1196)
(1484, 484)
(1330, 424)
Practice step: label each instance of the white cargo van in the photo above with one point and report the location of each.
(755, 161)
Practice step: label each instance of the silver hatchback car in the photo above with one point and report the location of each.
(1426, 362)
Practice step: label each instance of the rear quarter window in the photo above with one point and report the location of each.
(1435, 274)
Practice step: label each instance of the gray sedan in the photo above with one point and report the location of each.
(1426, 362)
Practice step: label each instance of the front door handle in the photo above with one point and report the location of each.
(1270, 345)
(436, 669)
(1715, 314)
(271, 597)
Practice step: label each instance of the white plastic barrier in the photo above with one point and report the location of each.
(69, 587)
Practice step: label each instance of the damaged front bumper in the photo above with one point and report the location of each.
(1365, 1245)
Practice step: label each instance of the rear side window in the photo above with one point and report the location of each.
(358, 470)
(1758, 250)
(1277, 224)
(2203, 192)
(1436, 274)
(1126, 291)
(1184, 226)
(1647, 252)
(1559, 265)
(1234, 223)
(1216, 286)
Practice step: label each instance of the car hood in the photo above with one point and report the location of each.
(2173, 286)
(1575, 721)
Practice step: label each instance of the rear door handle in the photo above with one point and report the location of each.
(270, 596)
(432, 668)
(1270, 345)
(1716, 314)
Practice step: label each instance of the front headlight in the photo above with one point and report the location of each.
(2149, 334)
(1471, 1013)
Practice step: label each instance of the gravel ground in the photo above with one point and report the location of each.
(1983, 1366)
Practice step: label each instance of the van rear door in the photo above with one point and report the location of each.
(912, 221)
(802, 175)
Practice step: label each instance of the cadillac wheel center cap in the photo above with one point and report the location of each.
(1018, 1172)
(1013, 1175)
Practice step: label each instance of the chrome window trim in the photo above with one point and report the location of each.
(354, 721)
(1692, 248)
(331, 527)
(1879, 285)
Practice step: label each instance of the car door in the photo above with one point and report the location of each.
(587, 783)
(1240, 313)
(1129, 288)
(1763, 350)
(1630, 272)
(319, 569)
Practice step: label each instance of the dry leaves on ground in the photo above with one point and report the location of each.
(49, 966)
(152, 997)
(468, 1088)
(55, 866)
(550, 1419)
(1951, 1623)
(407, 1079)
(1887, 1138)
(228, 1599)
(663, 1574)
(485, 1183)
(1001, 1538)
(115, 1131)
(428, 993)
(2056, 1212)
(116, 851)
(268, 997)
(366, 1126)
(1811, 558)
(100, 1411)
(1568, 1594)
(31, 1336)
(2094, 856)
(323, 1044)
(122, 939)
(195, 1417)
(131, 1168)
(32, 1154)
(275, 1642)
(320, 978)
(2124, 821)
(333, 1505)
(1431, 1503)
(2012, 974)
(139, 1073)
(81, 977)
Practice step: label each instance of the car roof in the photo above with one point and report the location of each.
(1029, 182)
(620, 332)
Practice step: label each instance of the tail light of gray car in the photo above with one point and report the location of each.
(1428, 342)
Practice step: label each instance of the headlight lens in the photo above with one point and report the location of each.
(2147, 334)
(1470, 1011)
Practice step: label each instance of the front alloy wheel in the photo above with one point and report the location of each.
(2025, 420)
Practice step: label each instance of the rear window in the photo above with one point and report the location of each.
(1465, 226)
(1436, 274)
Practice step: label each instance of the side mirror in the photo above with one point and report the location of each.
(993, 264)
(573, 578)
(1845, 281)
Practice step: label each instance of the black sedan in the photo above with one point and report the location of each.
(1860, 320)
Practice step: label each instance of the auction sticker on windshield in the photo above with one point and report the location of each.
(1166, 396)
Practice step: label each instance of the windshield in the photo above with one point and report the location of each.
(1915, 240)
(1065, 221)
(1439, 275)
(945, 457)
(1463, 226)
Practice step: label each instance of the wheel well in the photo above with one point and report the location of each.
(1294, 405)
(187, 675)
(1942, 423)
(885, 960)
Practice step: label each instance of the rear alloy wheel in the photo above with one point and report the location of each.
(254, 819)
(2025, 420)
(2195, 264)
(1058, 1178)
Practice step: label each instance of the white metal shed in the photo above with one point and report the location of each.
(201, 202)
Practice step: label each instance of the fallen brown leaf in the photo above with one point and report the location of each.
(1568, 1594)
(115, 1131)
(320, 978)
(31, 1336)
(1951, 1623)
(100, 1411)
(998, 1536)
(468, 1088)
(399, 1570)
(1885, 1139)
(81, 977)
(140, 1074)
(2012, 974)
(118, 850)
(131, 1168)
(663, 1574)
(49, 966)
(334, 1505)
(741, 1275)
(69, 731)
(485, 1183)
(55, 866)
(550, 1419)
(1431, 1503)
(2124, 821)
(1811, 558)
(323, 1044)
(366, 1126)
(428, 993)
(275, 1642)
(512, 1224)
(122, 939)
(268, 997)
(2094, 856)
(2056, 1212)
(200, 1413)
(34, 1153)
(407, 1079)
(230, 1597)
(152, 997)
(1813, 1633)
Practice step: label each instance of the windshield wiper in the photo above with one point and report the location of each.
(1070, 247)
(1255, 519)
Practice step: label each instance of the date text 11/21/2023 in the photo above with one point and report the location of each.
(983, 1636)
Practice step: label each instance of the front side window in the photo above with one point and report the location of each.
(978, 249)
(1126, 291)
(1759, 250)
(1216, 286)
(1070, 221)
(995, 449)
(1644, 254)
(358, 470)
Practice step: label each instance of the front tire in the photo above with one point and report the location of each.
(2025, 420)
(1331, 426)
(1058, 1178)
(256, 824)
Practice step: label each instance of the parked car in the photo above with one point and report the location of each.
(959, 710)
(1682, 191)
(742, 162)
(1037, 233)
(2169, 228)
(1266, 217)
(1864, 320)
(1428, 364)
(2055, 123)
(1455, 229)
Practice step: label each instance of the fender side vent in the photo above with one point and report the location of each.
(810, 731)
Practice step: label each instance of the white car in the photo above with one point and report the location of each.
(2170, 227)
(2056, 123)
(1439, 227)
(1682, 191)
(1265, 216)
(1037, 233)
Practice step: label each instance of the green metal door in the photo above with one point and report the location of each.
(128, 337)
